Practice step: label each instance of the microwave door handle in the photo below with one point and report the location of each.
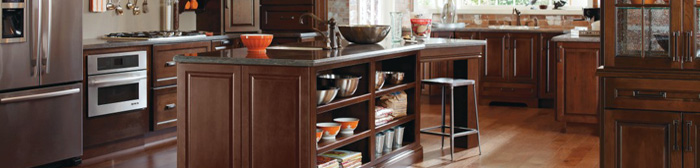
(116, 81)
(39, 96)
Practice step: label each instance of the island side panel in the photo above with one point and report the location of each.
(209, 114)
(276, 107)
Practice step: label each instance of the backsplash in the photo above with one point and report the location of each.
(99, 24)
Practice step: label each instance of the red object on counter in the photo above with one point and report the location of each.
(421, 27)
(256, 42)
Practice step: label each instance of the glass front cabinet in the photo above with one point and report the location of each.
(652, 34)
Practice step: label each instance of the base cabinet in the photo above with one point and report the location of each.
(577, 82)
(226, 115)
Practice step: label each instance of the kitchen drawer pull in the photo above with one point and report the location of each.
(166, 122)
(639, 94)
(220, 48)
(169, 106)
(507, 89)
(675, 135)
(674, 55)
(170, 63)
(287, 18)
(688, 147)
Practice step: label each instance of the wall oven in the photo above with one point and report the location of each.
(117, 82)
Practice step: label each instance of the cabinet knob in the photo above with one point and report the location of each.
(170, 63)
(169, 106)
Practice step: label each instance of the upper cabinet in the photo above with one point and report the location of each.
(242, 15)
(284, 15)
(651, 34)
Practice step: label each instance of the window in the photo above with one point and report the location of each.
(471, 4)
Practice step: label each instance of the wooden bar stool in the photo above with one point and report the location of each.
(457, 131)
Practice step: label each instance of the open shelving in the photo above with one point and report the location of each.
(362, 105)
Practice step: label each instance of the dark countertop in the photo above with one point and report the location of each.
(100, 44)
(486, 29)
(567, 38)
(295, 35)
(349, 52)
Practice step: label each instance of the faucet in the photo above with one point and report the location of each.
(536, 21)
(331, 41)
(516, 13)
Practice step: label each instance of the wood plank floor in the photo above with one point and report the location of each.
(512, 137)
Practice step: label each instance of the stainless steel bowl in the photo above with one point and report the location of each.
(326, 95)
(379, 80)
(365, 34)
(395, 78)
(346, 84)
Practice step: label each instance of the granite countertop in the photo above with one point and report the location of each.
(567, 38)
(99, 43)
(348, 52)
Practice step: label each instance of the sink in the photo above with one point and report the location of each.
(508, 27)
(294, 48)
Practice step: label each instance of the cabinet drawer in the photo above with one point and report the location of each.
(508, 89)
(164, 107)
(285, 18)
(164, 71)
(652, 94)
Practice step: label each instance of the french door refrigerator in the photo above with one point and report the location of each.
(41, 76)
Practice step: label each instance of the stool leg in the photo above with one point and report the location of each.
(476, 110)
(452, 123)
(442, 127)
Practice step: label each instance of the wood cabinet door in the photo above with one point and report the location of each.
(467, 35)
(524, 57)
(642, 139)
(577, 99)
(242, 15)
(272, 96)
(548, 66)
(690, 140)
(209, 116)
(495, 61)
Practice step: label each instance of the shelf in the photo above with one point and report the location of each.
(643, 6)
(393, 153)
(324, 147)
(342, 102)
(396, 122)
(394, 88)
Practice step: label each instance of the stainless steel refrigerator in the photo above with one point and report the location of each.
(41, 76)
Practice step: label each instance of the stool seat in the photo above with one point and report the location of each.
(449, 82)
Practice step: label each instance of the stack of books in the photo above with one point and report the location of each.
(326, 162)
(346, 159)
(382, 115)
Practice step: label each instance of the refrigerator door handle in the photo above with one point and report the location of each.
(36, 43)
(39, 96)
(46, 45)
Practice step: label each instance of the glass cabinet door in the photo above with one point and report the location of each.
(645, 32)
(692, 58)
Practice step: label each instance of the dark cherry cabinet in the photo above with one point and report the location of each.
(164, 68)
(510, 68)
(643, 139)
(577, 83)
(241, 15)
(548, 66)
(235, 102)
(164, 108)
(284, 15)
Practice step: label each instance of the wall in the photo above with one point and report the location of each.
(98, 24)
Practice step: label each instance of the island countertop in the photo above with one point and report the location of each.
(307, 58)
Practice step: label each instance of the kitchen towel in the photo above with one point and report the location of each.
(98, 6)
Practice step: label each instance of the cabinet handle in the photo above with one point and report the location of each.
(286, 18)
(169, 106)
(690, 48)
(639, 94)
(170, 63)
(688, 147)
(675, 47)
(675, 135)
(219, 48)
(226, 3)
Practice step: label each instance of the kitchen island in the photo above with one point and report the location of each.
(237, 109)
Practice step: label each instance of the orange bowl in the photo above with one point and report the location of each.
(256, 42)
(319, 134)
(330, 129)
(347, 125)
(639, 2)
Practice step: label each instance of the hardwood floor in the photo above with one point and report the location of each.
(512, 137)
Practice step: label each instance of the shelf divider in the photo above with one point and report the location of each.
(324, 147)
(342, 102)
(395, 122)
(394, 88)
